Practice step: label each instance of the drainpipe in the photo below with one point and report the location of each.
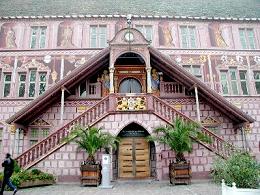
(197, 103)
(62, 105)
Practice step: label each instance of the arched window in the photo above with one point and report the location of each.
(130, 85)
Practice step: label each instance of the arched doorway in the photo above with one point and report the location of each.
(130, 85)
(134, 153)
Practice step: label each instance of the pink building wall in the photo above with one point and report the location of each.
(66, 161)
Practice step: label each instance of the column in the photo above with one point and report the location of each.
(197, 103)
(212, 86)
(149, 83)
(62, 105)
(111, 80)
(12, 131)
(61, 67)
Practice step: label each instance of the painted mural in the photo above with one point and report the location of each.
(216, 36)
(65, 34)
(7, 36)
(165, 34)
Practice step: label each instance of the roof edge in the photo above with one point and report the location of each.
(55, 88)
(207, 90)
(81, 16)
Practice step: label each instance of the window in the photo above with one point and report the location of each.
(224, 82)
(194, 69)
(233, 79)
(7, 84)
(257, 81)
(243, 82)
(37, 134)
(188, 37)
(1, 137)
(42, 82)
(82, 90)
(32, 83)
(234, 82)
(19, 140)
(21, 85)
(98, 36)
(247, 38)
(38, 37)
(146, 30)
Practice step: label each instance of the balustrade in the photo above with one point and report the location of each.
(112, 104)
(56, 139)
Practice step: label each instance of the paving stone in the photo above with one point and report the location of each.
(140, 187)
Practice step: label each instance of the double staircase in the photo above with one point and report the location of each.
(102, 109)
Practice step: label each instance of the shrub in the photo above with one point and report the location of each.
(36, 171)
(240, 168)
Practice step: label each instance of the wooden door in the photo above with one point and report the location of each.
(134, 158)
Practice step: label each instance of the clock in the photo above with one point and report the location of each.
(129, 36)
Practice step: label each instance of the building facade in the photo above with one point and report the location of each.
(127, 74)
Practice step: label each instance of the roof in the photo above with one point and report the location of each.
(208, 8)
(189, 81)
(52, 95)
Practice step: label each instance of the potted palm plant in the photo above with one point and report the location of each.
(179, 136)
(91, 139)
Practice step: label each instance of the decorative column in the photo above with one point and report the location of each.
(212, 86)
(12, 131)
(62, 105)
(197, 103)
(61, 67)
(111, 80)
(149, 83)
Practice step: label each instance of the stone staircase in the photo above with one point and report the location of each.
(166, 112)
(103, 108)
(55, 140)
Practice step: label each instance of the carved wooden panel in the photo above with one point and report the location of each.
(130, 71)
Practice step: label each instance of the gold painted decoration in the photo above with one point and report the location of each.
(54, 75)
(203, 59)
(210, 122)
(131, 103)
(247, 128)
(81, 109)
(12, 129)
(40, 122)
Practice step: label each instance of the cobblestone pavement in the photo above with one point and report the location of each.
(127, 188)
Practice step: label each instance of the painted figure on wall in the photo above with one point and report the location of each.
(216, 37)
(65, 34)
(7, 36)
(165, 35)
(155, 81)
(105, 80)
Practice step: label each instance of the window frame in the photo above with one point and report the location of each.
(188, 37)
(238, 81)
(144, 30)
(40, 135)
(247, 38)
(8, 82)
(38, 36)
(256, 81)
(98, 35)
(191, 67)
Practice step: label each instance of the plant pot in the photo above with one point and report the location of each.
(91, 174)
(226, 190)
(26, 184)
(180, 173)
